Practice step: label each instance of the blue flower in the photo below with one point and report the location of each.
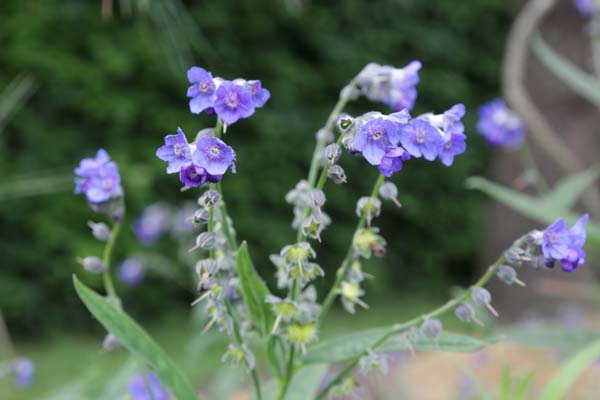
(500, 126)
(451, 130)
(131, 272)
(451, 147)
(175, 152)
(147, 388)
(24, 371)
(192, 175)
(233, 102)
(392, 160)
(202, 91)
(564, 244)
(374, 137)
(259, 94)
(395, 87)
(421, 139)
(214, 156)
(152, 224)
(98, 178)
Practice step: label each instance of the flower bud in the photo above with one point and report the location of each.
(205, 241)
(466, 313)
(389, 191)
(333, 152)
(337, 174)
(324, 136)
(206, 266)
(240, 355)
(508, 275)
(209, 198)
(201, 216)
(92, 264)
(369, 207)
(110, 342)
(100, 230)
(345, 123)
(482, 296)
(317, 198)
(515, 256)
(431, 328)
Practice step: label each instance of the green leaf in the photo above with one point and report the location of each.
(549, 335)
(566, 191)
(523, 386)
(581, 82)
(505, 385)
(254, 291)
(542, 211)
(137, 341)
(568, 373)
(303, 386)
(344, 347)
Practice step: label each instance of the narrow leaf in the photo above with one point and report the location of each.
(556, 336)
(568, 373)
(566, 191)
(344, 347)
(137, 341)
(254, 291)
(581, 82)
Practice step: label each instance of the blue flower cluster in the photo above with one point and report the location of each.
(395, 87)
(230, 100)
(388, 140)
(565, 245)
(98, 178)
(500, 126)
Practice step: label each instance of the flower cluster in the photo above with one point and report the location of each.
(230, 100)
(565, 245)
(587, 8)
(500, 126)
(388, 140)
(23, 369)
(395, 87)
(98, 178)
(205, 160)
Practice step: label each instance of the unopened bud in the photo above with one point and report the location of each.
(432, 328)
(466, 313)
(209, 198)
(369, 207)
(333, 152)
(100, 230)
(110, 342)
(389, 191)
(324, 136)
(92, 264)
(508, 275)
(201, 216)
(205, 241)
(317, 198)
(515, 256)
(483, 297)
(337, 174)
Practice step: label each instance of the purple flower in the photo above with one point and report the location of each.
(202, 91)
(192, 175)
(421, 139)
(175, 152)
(214, 156)
(453, 146)
(392, 160)
(24, 370)
(259, 94)
(147, 387)
(152, 224)
(564, 244)
(451, 131)
(587, 8)
(233, 102)
(374, 137)
(500, 126)
(98, 178)
(131, 272)
(392, 86)
(451, 119)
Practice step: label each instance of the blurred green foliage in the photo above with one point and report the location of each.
(120, 85)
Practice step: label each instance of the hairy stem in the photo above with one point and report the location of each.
(397, 328)
(109, 287)
(343, 270)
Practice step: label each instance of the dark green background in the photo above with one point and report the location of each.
(121, 85)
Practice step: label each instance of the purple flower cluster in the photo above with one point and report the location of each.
(587, 8)
(565, 245)
(147, 387)
(395, 87)
(388, 140)
(24, 372)
(206, 160)
(152, 224)
(500, 126)
(230, 100)
(131, 272)
(98, 178)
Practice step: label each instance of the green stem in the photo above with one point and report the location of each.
(288, 374)
(397, 328)
(528, 162)
(106, 256)
(347, 262)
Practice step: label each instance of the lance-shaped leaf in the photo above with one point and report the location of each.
(566, 191)
(254, 291)
(137, 341)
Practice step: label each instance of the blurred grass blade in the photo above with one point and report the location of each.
(565, 192)
(582, 83)
(559, 337)
(254, 291)
(345, 346)
(304, 384)
(137, 341)
(35, 186)
(522, 388)
(12, 98)
(568, 373)
(532, 207)
(505, 384)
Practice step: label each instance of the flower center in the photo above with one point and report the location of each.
(215, 151)
(107, 183)
(420, 137)
(448, 145)
(193, 174)
(377, 135)
(177, 149)
(231, 99)
(203, 86)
